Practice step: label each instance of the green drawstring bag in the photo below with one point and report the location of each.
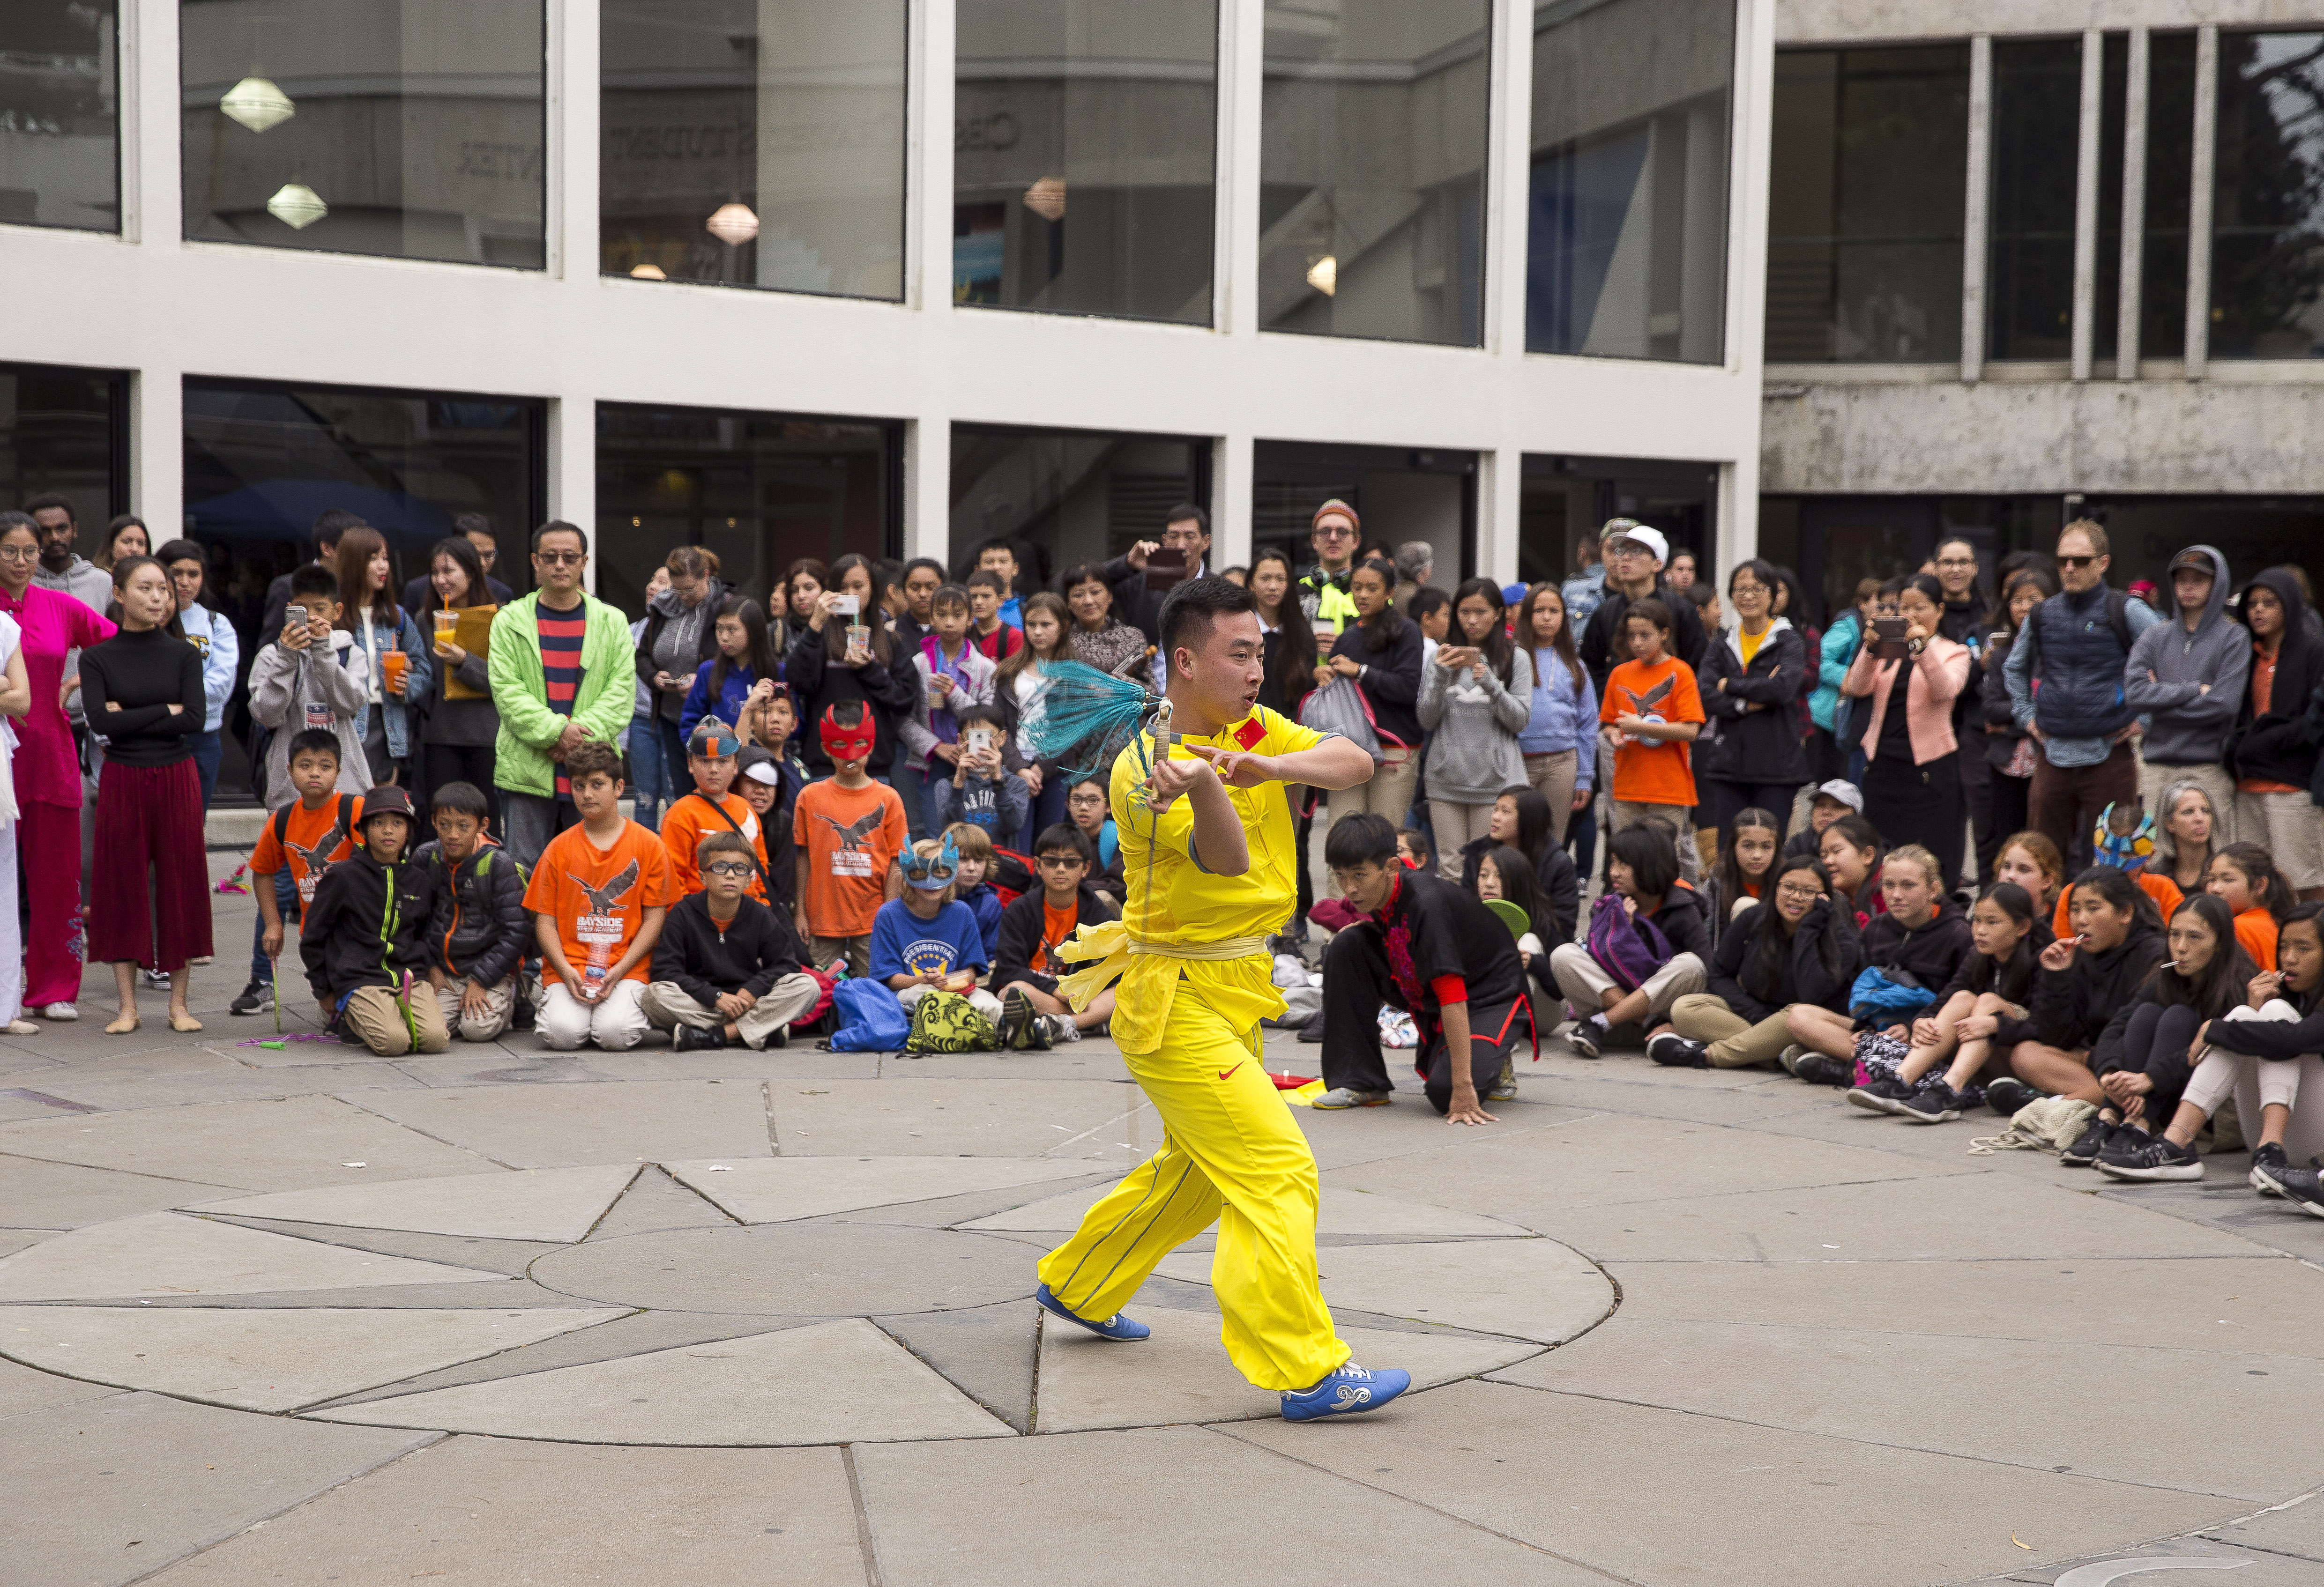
(945, 1021)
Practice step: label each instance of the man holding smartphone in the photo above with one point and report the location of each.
(1142, 580)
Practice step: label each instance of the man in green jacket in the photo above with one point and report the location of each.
(562, 671)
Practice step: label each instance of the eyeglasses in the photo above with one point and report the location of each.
(20, 554)
(1739, 590)
(1802, 894)
(2076, 561)
(728, 867)
(1334, 532)
(559, 558)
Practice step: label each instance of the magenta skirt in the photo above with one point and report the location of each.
(151, 901)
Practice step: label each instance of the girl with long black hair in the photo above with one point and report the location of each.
(1521, 818)
(1795, 946)
(1981, 1010)
(829, 667)
(2117, 940)
(1474, 697)
(1379, 653)
(1746, 867)
(727, 686)
(456, 731)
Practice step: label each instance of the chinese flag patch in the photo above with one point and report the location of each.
(1250, 734)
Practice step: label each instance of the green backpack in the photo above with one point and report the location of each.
(945, 1021)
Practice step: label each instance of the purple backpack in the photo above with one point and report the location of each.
(1628, 948)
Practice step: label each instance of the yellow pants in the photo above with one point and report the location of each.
(1231, 1154)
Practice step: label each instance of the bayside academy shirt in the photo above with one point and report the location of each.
(689, 819)
(903, 944)
(849, 837)
(598, 898)
(308, 846)
(1648, 771)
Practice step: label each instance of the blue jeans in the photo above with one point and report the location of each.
(649, 777)
(286, 904)
(206, 763)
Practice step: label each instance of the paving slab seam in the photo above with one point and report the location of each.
(292, 1234)
(1226, 1430)
(2117, 1195)
(136, 1173)
(1983, 1460)
(205, 1545)
(378, 1393)
(866, 1545)
(428, 1134)
(767, 1110)
(2199, 1533)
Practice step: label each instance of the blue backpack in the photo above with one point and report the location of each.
(1887, 995)
(869, 1018)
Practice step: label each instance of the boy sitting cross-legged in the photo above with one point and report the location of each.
(485, 930)
(927, 940)
(366, 938)
(598, 897)
(314, 830)
(1032, 1015)
(726, 969)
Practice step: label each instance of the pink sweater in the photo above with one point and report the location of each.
(47, 771)
(1937, 677)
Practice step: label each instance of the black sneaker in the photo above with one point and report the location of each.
(1881, 1094)
(1017, 1018)
(1586, 1037)
(2009, 1094)
(258, 997)
(2303, 1187)
(2140, 1157)
(1935, 1103)
(1816, 1069)
(2267, 1161)
(698, 1038)
(2087, 1146)
(1676, 1052)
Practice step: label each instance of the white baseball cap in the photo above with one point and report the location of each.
(1653, 540)
(1844, 790)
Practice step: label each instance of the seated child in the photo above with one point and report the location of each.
(970, 888)
(597, 898)
(847, 832)
(981, 790)
(1085, 807)
(927, 940)
(1032, 1015)
(1831, 800)
(366, 938)
(1412, 849)
(710, 806)
(479, 947)
(309, 834)
(726, 969)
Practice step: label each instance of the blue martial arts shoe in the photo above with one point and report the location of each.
(1350, 1389)
(1116, 1327)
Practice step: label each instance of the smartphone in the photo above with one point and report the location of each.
(977, 737)
(1888, 641)
(847, 606)
(1166, 568)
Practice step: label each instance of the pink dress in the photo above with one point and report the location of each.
(49, 792)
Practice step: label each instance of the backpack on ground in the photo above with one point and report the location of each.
(1629, 948)
(869, 1018)
(945, 1021)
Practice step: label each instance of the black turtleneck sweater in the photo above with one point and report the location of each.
(143, 674)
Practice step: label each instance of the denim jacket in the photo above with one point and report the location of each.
(419, 678)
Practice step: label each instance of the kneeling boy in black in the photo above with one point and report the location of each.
(726, 968)
(1431, 950)
(1032, 1015)
(366, 938)
(487, 929)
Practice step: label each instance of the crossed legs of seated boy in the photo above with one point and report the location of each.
(668, 1005)
(1041, 992)
(390, 1025)
(979, 999)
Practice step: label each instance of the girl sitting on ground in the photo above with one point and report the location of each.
(1921, 934)
(2032, 861)
(1642, 868)
(1851, 852)
(2244, 878)
(1744, 869)
(1794, 947)
(1980, 1011)
(2116, 941)
(1506, 873)
(2264, 1053)
(1525, 821)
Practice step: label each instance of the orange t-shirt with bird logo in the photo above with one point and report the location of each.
(599, 897)
(848, 837)
(1652, 770)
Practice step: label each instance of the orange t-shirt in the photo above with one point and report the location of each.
(1652, 772)
(688, 820)
(2160, 888)
(848, 837)
(2255, 929)
(306, 845)
(1057, 925)
(599, 897)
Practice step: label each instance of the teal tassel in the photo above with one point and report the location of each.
(1081, 718)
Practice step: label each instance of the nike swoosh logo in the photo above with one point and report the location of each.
(1223, 1074)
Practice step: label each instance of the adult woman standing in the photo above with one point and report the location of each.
(2007, 750)
(383, 631)
(124, 537)
(143, 690)
(1559, 739)
(215, 641)
(678, 639)
(1912, 775)
(1046, 621)
(1751, 677)
(1379, 652)
(1473, 700)
(1100, 638)
(649, 778)
(827, 667)
(15, 700)
(48, 774)
(457, 732)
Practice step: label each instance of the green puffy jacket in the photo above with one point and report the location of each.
(607, 696)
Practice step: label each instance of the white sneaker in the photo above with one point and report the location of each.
(1062, 1029)
(59, 1011)
(1349, 1096)
(154, 978)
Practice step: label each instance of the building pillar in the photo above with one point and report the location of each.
(569, 227)
(157, 453)
(1977, 213)
(2085, 206)
(928, 488)
(2133, 264)
(2199, 202)
(1232, 488)
(572, 472)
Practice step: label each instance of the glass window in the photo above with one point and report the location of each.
(2106, 324)
(1564, 497)
(59, 118)
(1084, 148)
(760, 489)
(409, 128)
(1863, 247)
(1400, 494)
(2037, 108)
(754, 143)
(64, 432)
(1372, 163)
(1066, 497)
(2267, 226)
(1626, 247)
(2169, 166)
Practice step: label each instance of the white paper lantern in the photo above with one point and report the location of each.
(296, 206)
(258, 105)
(1323, 275)
(733, 224)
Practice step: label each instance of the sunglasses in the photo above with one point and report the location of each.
(559, 558)
(729, 868)
(2076, 561)
(1060, 861)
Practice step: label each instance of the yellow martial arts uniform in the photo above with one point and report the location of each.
(1188, 1029)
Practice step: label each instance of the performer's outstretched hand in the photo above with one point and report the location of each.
(1174, 778)
(1239, 768)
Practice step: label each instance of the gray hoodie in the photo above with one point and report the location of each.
(293, 690)
(83, 579)
(2186, 726)
(1473, 729)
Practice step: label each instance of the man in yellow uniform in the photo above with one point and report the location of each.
(1207, 846)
